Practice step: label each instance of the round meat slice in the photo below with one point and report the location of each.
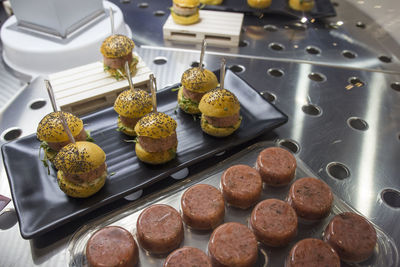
(159, 229)
(311, 198)
(241, 186)
(203, 207)
(187, 257)
(352, 236)
(274, 222)
(112, 246)
(232, 244)
(312, 252)
(276, 165)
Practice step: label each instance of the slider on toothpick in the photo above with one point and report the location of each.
(195, 82)
(116, 50)
(220, 110)
(131, 105)
(51, 129)
(157, 140)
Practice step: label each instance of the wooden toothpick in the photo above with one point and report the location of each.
(128, 75)
(112, 21)
(203, 50)
(53, 103)
(153, 88)
(222, 73)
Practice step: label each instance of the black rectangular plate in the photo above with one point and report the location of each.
(322, 8)
(40, 204)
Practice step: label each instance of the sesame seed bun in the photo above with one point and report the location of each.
(50, 128)
(219, 103)
(154, 157)
(211, 2)
(187, 3)
(155, 125)
(218, 131)
(117, 45)
(187, 105)
(259, 3)
(133, 103)
(79, 158)
(199, 80)
(301, 5)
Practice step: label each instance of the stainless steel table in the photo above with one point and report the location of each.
(337, 79)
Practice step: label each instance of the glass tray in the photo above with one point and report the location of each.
(385, 253)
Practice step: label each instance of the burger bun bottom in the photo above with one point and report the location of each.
(218, 131)
(154, 157)
(83, 190)
(126, 130)
(189, 107)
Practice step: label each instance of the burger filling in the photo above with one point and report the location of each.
(184, 11)
(87, 177)
(128, 122)
(194, 96)
(119, 73)
(119, 62)
(222, 122)
(158, 144)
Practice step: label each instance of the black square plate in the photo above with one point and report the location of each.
(322, 8)
(40, 204)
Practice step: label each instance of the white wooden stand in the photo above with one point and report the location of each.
(218, 28)
(88, 88)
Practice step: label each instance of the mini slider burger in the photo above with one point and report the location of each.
(116, 50)
(195, 83)
(50, 132)
(220, 113)
(131, 105)
(157, 141)
(82, 170)
(185, 11)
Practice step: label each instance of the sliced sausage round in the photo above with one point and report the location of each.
(187, 257)
(112, 246)
(352, 236)
(203, 207)
(159, 229)
(312, 252)
(232, 244)
(274, 222)
(241, 186)
(276, 165)
(311, 198)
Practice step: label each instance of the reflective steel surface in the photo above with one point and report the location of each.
(338, 80)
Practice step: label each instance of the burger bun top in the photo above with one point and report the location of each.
(133, 103)
(116, 46)
(219, 103)
(79, 158)
(50, 128)
(156, 125)
(199, 80)
(187, 3)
